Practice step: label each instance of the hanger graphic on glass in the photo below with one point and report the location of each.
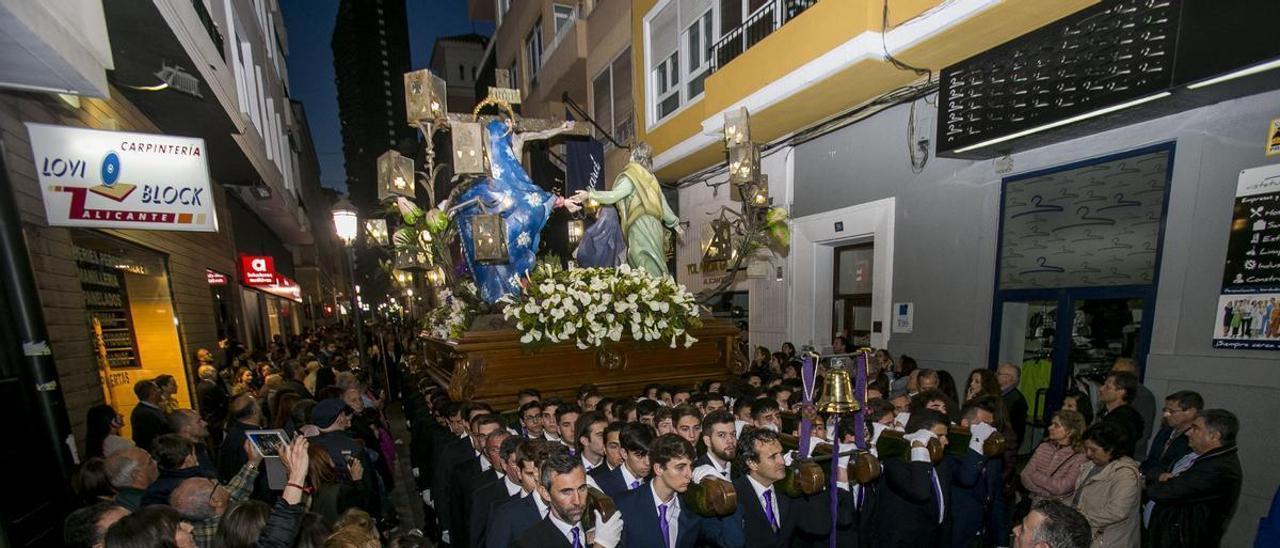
(1043, 267)
(1087, 236)
(1082, 214)
(1121, 202)
(1091, 196)
(1038, 206)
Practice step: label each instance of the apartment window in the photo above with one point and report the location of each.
(667, 83)
(611, 98)
(533, 52)
(564, 16)
(699, 41)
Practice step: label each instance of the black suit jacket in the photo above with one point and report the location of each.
(148, 423)
(1016, 405)
(856, 526)
(704, 460)
(510, 520)
(1192, 509)
(612, 481)
(485, 500)
(1159, 459)
(1129, 420)
(455, 451)
(467, 477)
(908, 513)
(545, 535)
(800, 519)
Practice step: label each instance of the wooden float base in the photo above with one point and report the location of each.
(492, 366)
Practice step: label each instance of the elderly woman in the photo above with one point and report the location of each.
(1109, 489)
(1055, 466)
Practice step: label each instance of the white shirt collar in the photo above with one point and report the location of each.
(537, 500)
(566, 529)
(587, 465)
(485, 465)
(512, 487)
(673, 514)
(760, 489)
(724, 471)
(627, 478)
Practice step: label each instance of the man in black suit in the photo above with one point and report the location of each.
(613, 456)
(459, 448)
(531, 420)
(1191, 504)
(496, 493)
(722, 445)
(589, 433)
(470, 473)
(771, 518)
(563, 486)
(511, 519)
(1008, 376)
(977, 492)
(1117, 394)
(566, 418)
(655, 512)
(635, 438)
(855, 527)
(147, 419)
(1170, 443)
(914, 494)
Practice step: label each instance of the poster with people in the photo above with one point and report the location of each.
(1248, 315)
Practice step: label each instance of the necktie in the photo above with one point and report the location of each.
(576, 542)
(937, 492)
(861, 497)
(634, 484)
(664, 526)
(768, 509)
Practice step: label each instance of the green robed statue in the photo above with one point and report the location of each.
(644, 211)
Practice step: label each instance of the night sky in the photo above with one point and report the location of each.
(310, 27)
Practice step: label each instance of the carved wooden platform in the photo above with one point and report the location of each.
(492, 366)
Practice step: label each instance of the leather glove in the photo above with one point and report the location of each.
(608, 534)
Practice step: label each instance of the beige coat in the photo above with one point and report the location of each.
(1111, 502)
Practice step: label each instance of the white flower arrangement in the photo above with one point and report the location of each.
(454, 314)
(593, 306)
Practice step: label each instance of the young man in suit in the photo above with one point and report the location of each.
(563, 487)
(612, 446)
(721, 441)
(770, 518)
(566, 418)
(978, 506)
(1171, 444)
(914, 494)
(470, 478)
(654, 510)
(589, 433)
(494, 494)
(635, 438)
(511, 519)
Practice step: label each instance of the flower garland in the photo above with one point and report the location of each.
(453, 315)
(593, 306)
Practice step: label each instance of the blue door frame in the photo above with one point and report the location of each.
(1067, 296)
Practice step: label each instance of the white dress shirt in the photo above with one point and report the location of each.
(512, 487)
(586, 464)
(715, 468)
(773, 496)
(673, 515)
(627, 478)
(568, 529)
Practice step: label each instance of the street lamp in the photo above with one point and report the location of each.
(346, 223)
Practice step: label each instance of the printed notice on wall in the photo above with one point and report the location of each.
(903, 317)
(1248, 315)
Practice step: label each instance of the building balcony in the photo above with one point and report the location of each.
(178, 44)
(564, 67)
(58, 47)
(796, 63)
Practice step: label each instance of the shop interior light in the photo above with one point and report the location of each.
(1247, 71)
(1065, 121)
(346, 222)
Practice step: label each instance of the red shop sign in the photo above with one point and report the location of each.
(257, 270)
(215, 278)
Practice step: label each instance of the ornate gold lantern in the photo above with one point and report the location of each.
(377, 230)
(435, 277)
(489, 238)
(424, 97)
(412, 259)
(744, 164)
(737, 128)
(576, 229)
(468, 148)
(395, 176)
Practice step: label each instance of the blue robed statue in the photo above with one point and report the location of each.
(510, 193)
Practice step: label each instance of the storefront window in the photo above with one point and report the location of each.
(130, 315)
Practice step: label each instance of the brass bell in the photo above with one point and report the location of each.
(837, 393)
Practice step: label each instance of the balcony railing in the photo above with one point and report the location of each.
(209, 26)
(759, 25)
(563, 32)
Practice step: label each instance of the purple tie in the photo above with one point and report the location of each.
(937, 492)
(576, 543)
(768, 509)
(634, 484)
(662, 525)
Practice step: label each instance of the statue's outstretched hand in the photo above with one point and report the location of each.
(579, 197)
(572, 206)
(679, 229)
